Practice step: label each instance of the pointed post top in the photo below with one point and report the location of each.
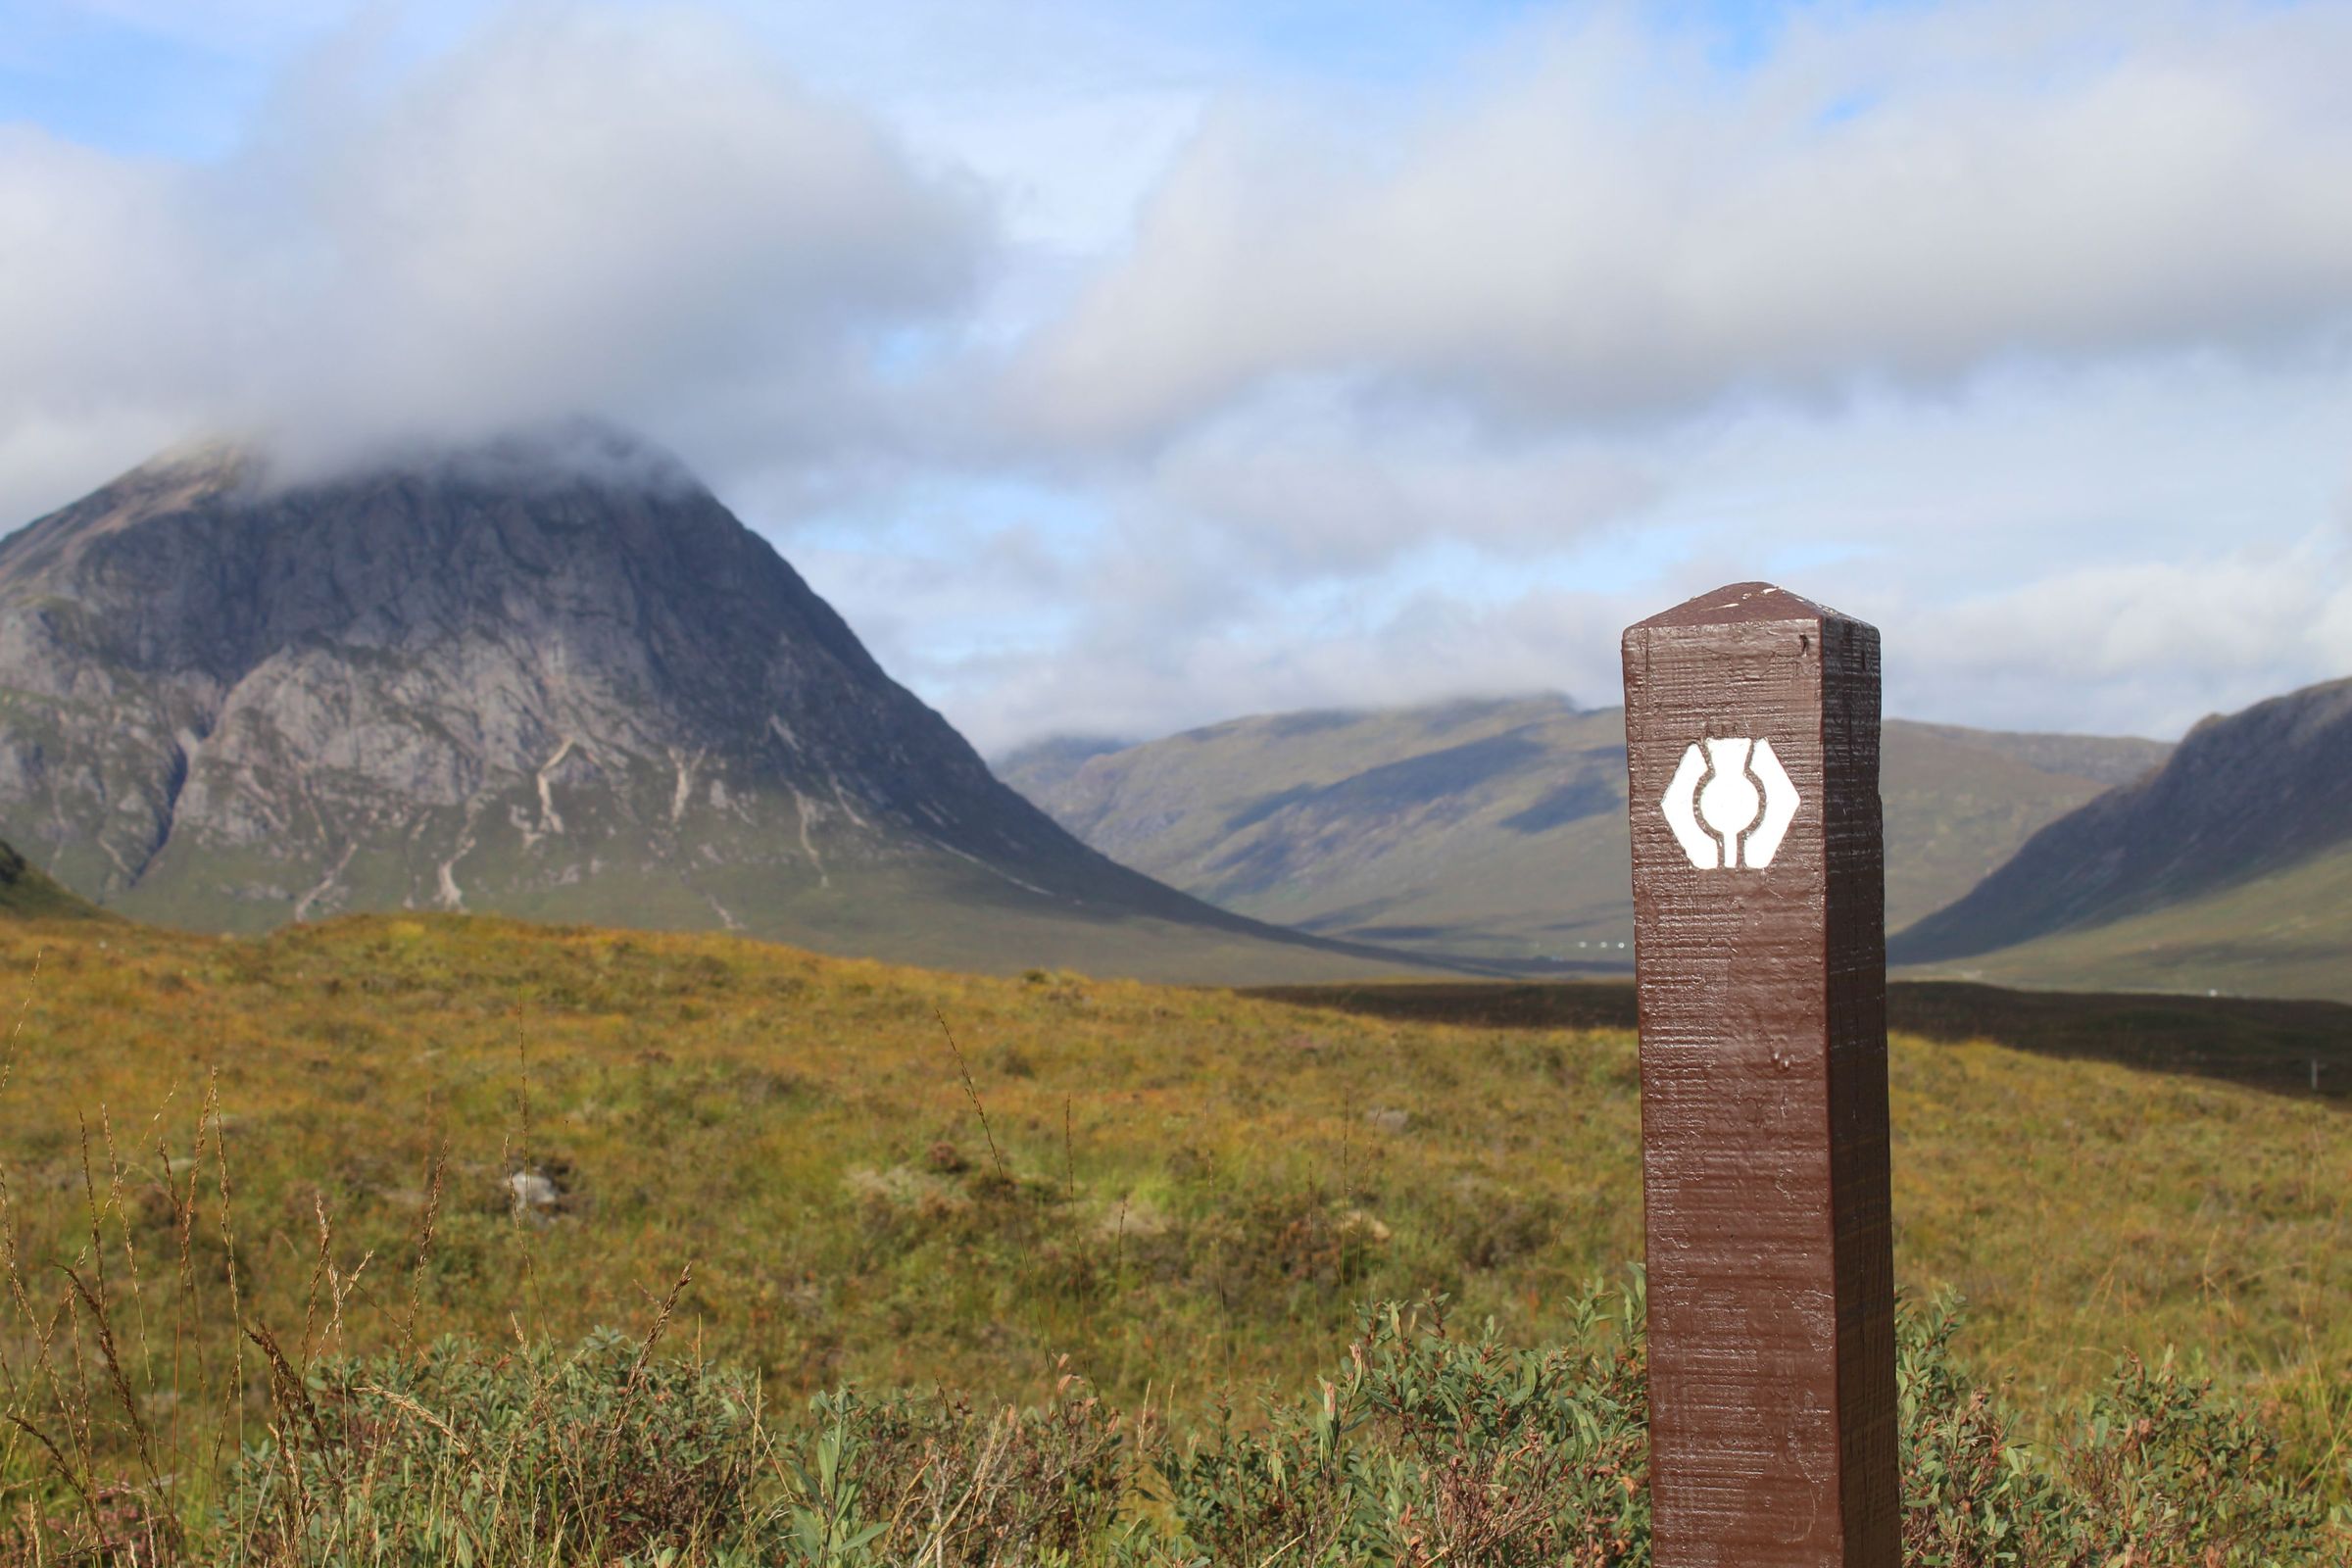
(1738, 604)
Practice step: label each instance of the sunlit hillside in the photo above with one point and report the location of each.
(1497, 828)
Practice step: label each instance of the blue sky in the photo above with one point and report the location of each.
(1121, 367)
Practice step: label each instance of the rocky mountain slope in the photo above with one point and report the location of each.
(1498, 829)
(2229, 868)
(550, 676)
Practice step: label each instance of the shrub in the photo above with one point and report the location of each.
(1427, 1449)
(1425, 1446)
(605, 1452)
(1431, 1448)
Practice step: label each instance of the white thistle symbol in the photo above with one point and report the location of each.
(1747, 803)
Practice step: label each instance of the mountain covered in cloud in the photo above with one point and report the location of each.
(1140, 385)
(1497, 828)
(548, 675)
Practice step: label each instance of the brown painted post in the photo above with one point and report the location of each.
(1751, 722)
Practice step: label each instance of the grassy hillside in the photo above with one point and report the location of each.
(27, 893)
(1181, 1190)
(2225, 869)
(1959, 801)
(1498, 829)
(932, 905)
(2105, 759)
(2282, 934)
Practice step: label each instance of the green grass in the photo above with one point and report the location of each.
(1185, 1193)
(2284, 933)
(1425, 1446)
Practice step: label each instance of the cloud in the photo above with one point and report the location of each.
(1128, 677)
(574, 209)
(2020, 328)
(1306, 485)
(1616, 231)
(2144, 647)
(2167, 641)
(1161, 616)
(2119, 550)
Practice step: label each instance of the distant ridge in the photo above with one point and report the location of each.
(1047, 765)
(1497, 827)
(547, 675)
(2230, 867)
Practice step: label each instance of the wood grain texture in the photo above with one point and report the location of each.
(1764, 1119)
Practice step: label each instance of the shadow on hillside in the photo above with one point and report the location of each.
(2280, 1045)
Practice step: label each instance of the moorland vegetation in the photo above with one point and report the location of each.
(456, 1241)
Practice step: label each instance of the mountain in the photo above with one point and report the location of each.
(1497, 828)
(2229, 869)
(1959, 801)
(1045, 765)
(548, 675)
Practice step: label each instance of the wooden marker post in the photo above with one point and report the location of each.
(1752, 721)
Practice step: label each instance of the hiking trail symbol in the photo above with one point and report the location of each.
(1730, 804)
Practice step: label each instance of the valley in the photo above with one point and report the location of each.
(1079, 785)
(1496, 829)
(488, 899)
(2228, 869)
(550, 675)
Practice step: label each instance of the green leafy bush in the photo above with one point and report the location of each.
(2158, 1471)
(1426, 1447)
(454, 1455)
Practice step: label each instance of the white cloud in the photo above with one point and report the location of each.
(2170, 641)
(2018, 328)
(2026, 547)
(1613, 230)
(2146, 647)
(1308, 485)
(635, 214)
(1122, 676)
